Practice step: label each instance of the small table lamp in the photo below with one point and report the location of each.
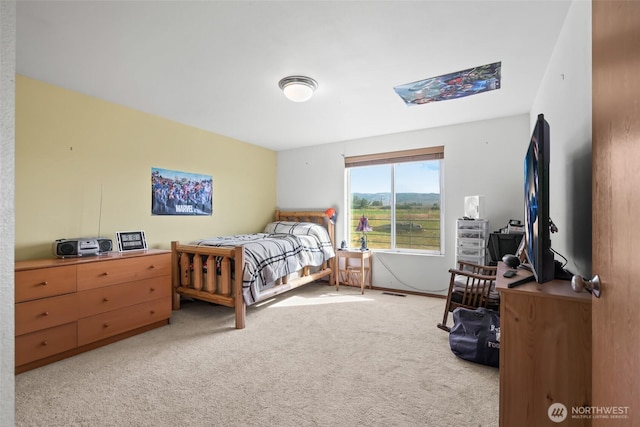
(363, 226)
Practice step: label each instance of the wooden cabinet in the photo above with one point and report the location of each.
(44, 343)
(545, 352)
(43, 282)
(67, 306)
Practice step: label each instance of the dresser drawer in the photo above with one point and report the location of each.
(44, 282)
(104, 325)
(45, 313)
(112, 272)
(41, 344)
(101, 300)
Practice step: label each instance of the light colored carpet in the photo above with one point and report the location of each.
(310, 357)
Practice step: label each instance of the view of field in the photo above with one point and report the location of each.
(411, 190)
(417, 222)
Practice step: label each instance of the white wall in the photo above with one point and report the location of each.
(483, 157)
(7, 181)
(564, 97)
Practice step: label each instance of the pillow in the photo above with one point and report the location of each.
(296, 228)
(303, 229)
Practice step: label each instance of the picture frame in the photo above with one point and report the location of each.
(131, 241)
(181, 193)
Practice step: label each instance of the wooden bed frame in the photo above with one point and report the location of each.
(189, 272)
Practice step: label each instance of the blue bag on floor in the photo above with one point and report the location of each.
(475, 335)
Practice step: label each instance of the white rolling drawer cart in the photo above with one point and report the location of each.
(472, 236)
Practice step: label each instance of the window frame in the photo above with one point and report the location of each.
(394, 158)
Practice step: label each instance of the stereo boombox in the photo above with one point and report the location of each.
(81, 246)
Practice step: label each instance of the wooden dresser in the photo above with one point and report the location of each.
(68, 306)
(545, 352)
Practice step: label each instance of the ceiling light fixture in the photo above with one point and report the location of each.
(298, 88)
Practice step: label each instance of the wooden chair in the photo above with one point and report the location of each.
(471, 286)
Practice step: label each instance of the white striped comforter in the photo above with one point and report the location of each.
(284, 248)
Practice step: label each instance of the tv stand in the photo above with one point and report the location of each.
(545, 350)
(559, 273)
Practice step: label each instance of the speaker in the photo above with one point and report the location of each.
(66, 248)
(105, 245)
(81, 246)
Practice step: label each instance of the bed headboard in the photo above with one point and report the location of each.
(318, 217)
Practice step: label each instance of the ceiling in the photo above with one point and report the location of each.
(215, 65)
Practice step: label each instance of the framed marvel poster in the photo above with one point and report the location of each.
(180, 193)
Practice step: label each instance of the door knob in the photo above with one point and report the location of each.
(578, 283)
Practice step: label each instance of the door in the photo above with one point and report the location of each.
(616, 210)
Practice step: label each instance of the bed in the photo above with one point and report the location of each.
(296, 249)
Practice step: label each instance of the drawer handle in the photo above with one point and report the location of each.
(152, 289)
(46, 313)
(105, 299)
(44, 343)
(153, 312)
(45, 283)
(106, 273)
(106, 325)
(152, 266)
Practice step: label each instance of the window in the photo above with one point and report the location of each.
(400, 194)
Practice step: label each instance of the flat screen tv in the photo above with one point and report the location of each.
(536, 204)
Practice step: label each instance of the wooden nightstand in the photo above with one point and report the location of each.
(353, 274)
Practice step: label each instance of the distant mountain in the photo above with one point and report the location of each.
(401, 198)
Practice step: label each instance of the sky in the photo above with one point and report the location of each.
(415, 177)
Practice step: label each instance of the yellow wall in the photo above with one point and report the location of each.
(83, 167)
